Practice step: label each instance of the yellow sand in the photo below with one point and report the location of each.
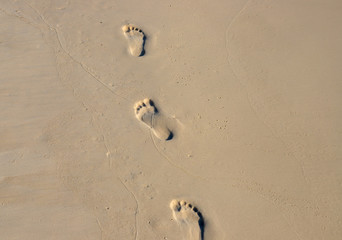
(251, 91)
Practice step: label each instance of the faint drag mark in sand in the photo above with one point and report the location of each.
(268, 194)
(273, 132)
(87, 69)
(189, 217)
(136, 40)
(136, 209)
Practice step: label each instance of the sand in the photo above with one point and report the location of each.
(249, 90)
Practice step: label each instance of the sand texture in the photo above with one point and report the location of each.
(140, 120)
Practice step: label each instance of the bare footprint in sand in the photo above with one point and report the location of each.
(136, 40)
(188, 216)
(147, 113)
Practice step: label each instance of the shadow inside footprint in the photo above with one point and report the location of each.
(201, 224)
(143, 47)
(170, 136)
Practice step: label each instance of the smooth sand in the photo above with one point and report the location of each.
(251, 91)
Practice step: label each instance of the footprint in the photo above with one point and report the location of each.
(136, 40)
(146, 112)
(187, 215)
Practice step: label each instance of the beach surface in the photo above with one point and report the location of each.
(170, 120)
